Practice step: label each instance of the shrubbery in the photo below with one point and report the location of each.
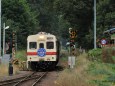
(102, 66)
(106, 55)
(96, 72)
(21, 55)
(95, 54)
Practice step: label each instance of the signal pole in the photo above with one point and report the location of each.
(4, 28)
(71, 58)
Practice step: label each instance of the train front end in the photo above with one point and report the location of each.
(42, 51)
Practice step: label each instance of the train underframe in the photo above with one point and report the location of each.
(42, 65)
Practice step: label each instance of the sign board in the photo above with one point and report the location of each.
(103, 41)
(71, 61)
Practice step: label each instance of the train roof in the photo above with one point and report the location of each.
(40, 33)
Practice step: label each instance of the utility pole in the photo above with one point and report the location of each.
(4, 43)
(95, 24)
(0, 28)
(3, 38)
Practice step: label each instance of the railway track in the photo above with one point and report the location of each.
(36, 76)
(37, 80)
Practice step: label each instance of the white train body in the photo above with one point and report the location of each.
(42, 47)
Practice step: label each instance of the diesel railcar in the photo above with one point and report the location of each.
(42, 51)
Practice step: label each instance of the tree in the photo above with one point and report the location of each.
(105, 16)
(21, 18)
(79, 13)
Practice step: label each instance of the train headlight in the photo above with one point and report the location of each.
(52, 57)
(30, 58)
(41, 37)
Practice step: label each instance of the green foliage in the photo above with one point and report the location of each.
(113, 57)
(97, 68)
(104, 55)
(101, 83)
(105, 16)
(21, 55)
(95, 54)
(79, 14)
(19, 16)
(108, 55)
(104, 73)
(56, 16)
(111, 78)
(49, 19)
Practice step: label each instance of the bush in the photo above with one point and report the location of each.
(95, 55)
(108, 54)
(21, 55)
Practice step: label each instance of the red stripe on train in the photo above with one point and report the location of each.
(47, 53)
(31, 53)
(51, 53)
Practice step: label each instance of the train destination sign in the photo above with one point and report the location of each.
(49, 38)
(41, 52)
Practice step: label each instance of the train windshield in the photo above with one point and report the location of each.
(50, 45)
(32, 45)
(41, 45)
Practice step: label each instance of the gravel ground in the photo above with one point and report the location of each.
(19, 74)
(50, 79)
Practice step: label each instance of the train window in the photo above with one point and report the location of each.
(32, 45)
(50, 45)
(41, 45)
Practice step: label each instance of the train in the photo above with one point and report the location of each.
(43, 51)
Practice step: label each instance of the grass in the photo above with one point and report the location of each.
(88, 73)
(4, 71)
(103, 73)
(21, 56)
(77, 76)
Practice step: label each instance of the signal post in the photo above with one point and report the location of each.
(71, 58)
(13, 44)
(12, 57)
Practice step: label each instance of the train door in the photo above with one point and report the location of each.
(41, 45)
(41, 51)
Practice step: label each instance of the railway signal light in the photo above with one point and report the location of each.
(13, 39)
(73, 33)
(72, 44)
(13, 44)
